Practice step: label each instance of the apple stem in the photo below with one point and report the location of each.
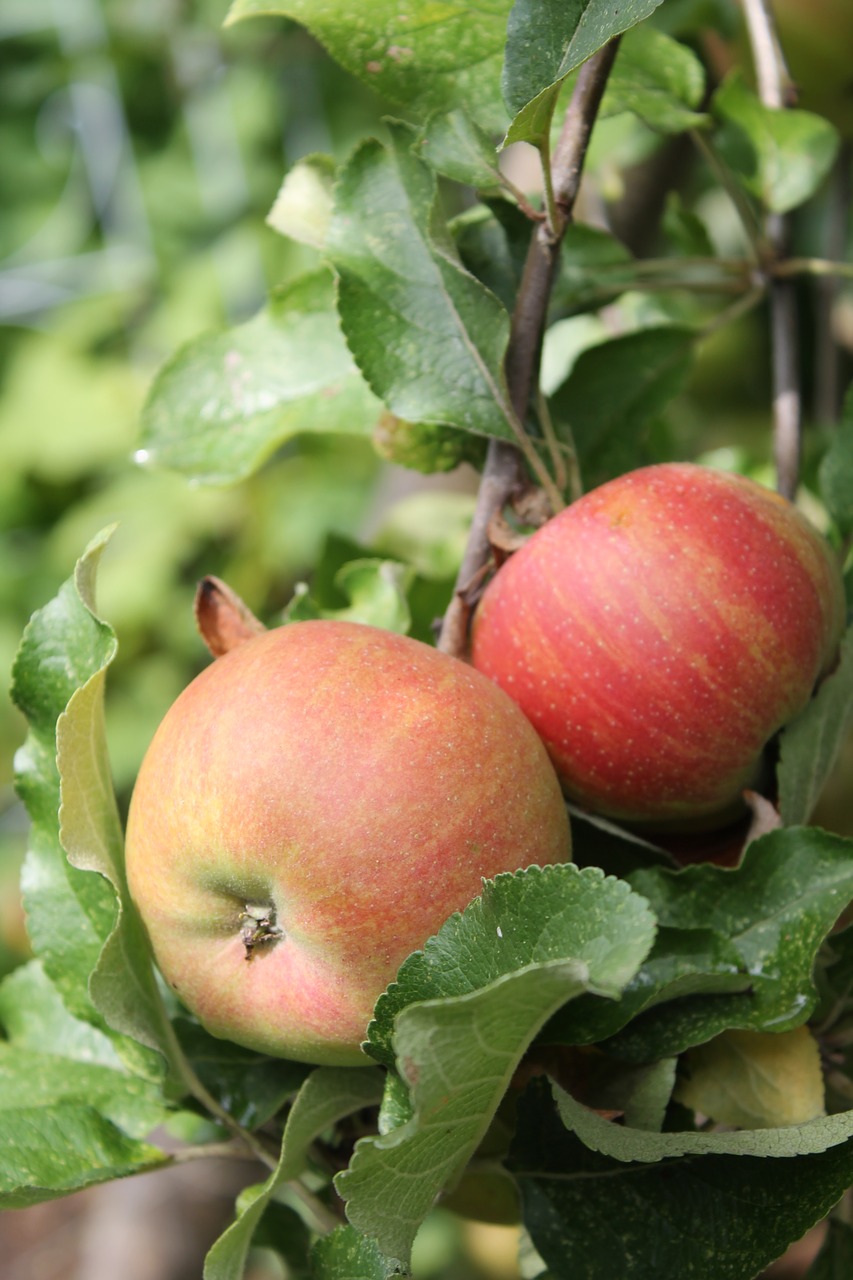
(777, 91)
(325, 1220)
(504, 474)
(743, 208)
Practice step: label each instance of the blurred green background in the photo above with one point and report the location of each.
(140, 150)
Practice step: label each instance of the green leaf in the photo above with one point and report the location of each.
(682, 962)
(122, 984)
(47, 1152)
(594, 267)
(522, 919)
(644, 1147)
(614, 392)
(421, 54)
(226, 401)
(428, 337)
(70, 914)
(660, 80)
(546, 41)
(834, 978)
(754, 1079)
(329, 1094)
(775, 908)
(836, 470)
(376, 590)
(492, 240)
(427, 447)
(463, 1012)
(50, 1059)
(685, 230)
(810, 744)
(346, 1255)
(250, 1086)
(835, 1260)
(284, 1231)
(452, 143)
(303, 206)
(598, 842)
(648, 1211)
(780, 156)
(396, 1108)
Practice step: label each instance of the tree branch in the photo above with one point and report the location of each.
(775, 90)
(504, 475)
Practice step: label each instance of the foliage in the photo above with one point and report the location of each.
(580, 1031)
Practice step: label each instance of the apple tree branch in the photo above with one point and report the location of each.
(504, 475)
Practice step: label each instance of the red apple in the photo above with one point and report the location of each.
(657, 633)
(312, 808)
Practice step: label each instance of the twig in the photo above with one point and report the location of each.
(504, 475)
(180, 1064)
(740, 307)
(743, 208)
(571, 148)
(787, 397)
(774, 89)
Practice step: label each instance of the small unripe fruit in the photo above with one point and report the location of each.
(312, 808)
(658, 633)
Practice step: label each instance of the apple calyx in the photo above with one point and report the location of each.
(258, 927)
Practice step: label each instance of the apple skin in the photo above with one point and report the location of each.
(657, 633)
(357, 784)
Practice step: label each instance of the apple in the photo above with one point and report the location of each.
(311, 809)
(658, 633)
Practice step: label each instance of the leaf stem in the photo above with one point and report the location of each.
(175, 1056)
(555, 450)
(740, 307)
(324, 1218)
(210, 1151)
(504, 475)
(728, 182)
(529, 211)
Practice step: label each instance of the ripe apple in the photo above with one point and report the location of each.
(657, 633)
(312, 808)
